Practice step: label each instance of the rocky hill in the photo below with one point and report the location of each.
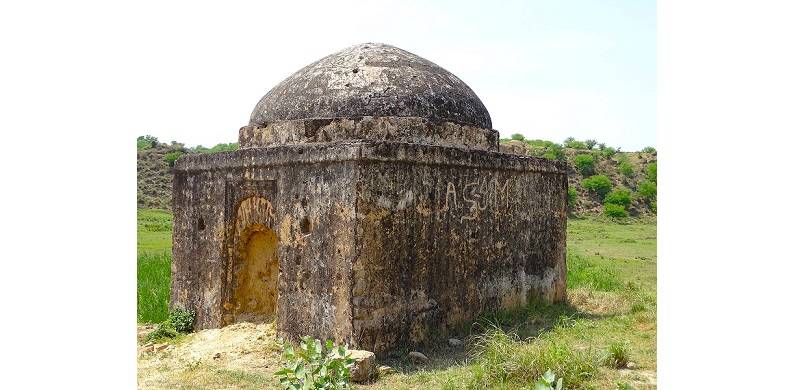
(625, 170)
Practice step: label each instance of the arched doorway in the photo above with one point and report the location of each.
(256, 292)
(255, 267)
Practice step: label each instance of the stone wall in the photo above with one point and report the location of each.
(379, 243)
(444, 235)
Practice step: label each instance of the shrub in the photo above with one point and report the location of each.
(651, 172)
(647, 189)
(601, 145)
(590, 143)
(584, 163)
(518, 137)
(178, 322)
(576, 145)
(182, 320)
(572, 197)
(614, 210)
(555, 152)
(626, 169)
(164, 330)
(599, 184)
(172, 156)
(146, 142)
(609, 151)
(617, 355)
(649, 149)
(619, 197)
(315, 366)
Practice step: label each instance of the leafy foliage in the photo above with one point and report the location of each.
(182, 320)
(146, 142)
(608, 151)
(580, 145)
(649, 149)
(172, 156)
(584, 163)
(647, 189)
(599, 184)
(614, 210)
(179, 321)
(619, 197)
(626, 169)
(518, 137)
(548, 382)
(651, 172)
(590, 143)
(572, 197)
(555, 152)
(315, 366)
(216, 148)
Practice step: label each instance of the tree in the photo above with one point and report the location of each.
(590, 143)
(518, 137)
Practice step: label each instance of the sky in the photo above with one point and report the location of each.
(547, 69)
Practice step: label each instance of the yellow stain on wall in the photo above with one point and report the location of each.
(256, 293)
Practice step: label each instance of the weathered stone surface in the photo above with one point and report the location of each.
(372, 79)
(400, 129)
(363, 369)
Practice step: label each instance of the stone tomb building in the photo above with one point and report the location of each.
(368, 203)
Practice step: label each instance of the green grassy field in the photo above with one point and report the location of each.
(154, 253)
(610, 318)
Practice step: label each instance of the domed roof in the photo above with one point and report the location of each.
(372, 79)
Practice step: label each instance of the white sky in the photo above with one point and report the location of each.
(193, 73)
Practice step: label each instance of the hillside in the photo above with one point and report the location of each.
(625, 170)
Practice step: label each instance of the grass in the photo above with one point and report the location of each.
(153, 261)
(609, 320)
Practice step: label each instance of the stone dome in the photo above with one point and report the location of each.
(372, 79)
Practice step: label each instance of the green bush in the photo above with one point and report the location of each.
(599, 184)
(572, 197)
(649, 149)
(651, 172)
(555, 152)
(584, 163)
(590, 143)
(164, 330)
(178, 322)
(626, 169)
(182, 320)
(619, 197)
(172, 156)
(315, 366)
(518, 137)
(579, 145)
(609, 151)
(647, 189)
(146, 142)
(216, 148)
(614, 210)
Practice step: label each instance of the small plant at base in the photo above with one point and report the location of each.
(584, 163)
(599, 184)
(518, 137)
(314, 366)
(182, 320)
(548, 382)
(165, 330)
(614, 210)
(618, 355)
